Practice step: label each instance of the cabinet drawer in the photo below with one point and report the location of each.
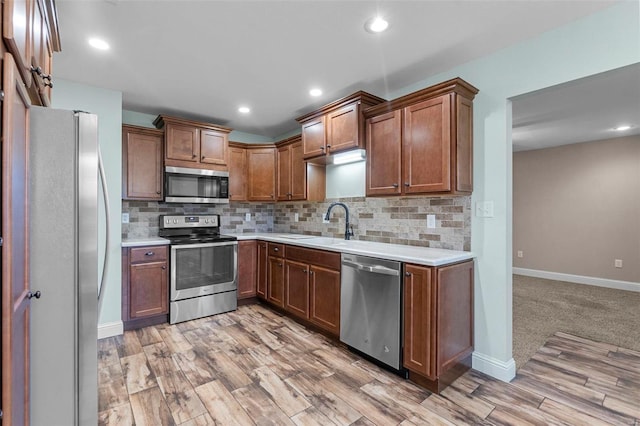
(276, 250)
(327, 259)
(148, 254)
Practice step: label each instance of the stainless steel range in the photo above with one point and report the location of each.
(203, 267)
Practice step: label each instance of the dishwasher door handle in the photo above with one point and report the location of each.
(376, 269)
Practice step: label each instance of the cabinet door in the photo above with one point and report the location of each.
(15, 248)
(384, 147)
(427, 146)
(342, 128)
(148, 292)
(262, 166)
(141, 164)
(247, 264)
(419, 320)
(324, 289)
(464, 144)
(237, 174)
(275, 285)
(313, 138)
(213, 147)
(296, 288)
(283, 179)
(263, 260)
(298, 173)
(16, 31)
(182, 143)
(454, 314)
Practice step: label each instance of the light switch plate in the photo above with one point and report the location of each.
(431, 221)
(125, 217)
(247, 217)
(484, 208)
(617, 263)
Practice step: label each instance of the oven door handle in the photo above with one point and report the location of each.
(203, 245)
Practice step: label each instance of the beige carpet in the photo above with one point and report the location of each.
(542, 307)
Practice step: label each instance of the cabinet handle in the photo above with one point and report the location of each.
(203, 157)
(36, 70)
(310, 272)
(328, 146)
(395, 185)
(280, 264)
(304, 271)
(158, 192)
(407, 274)
(46, 77)
(49, 84)
(37, 295)
(406, 184)
(322, 148)
(164, 267)
(276, 249)
(149, 253)
(193, 156)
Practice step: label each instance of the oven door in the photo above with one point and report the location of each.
(203, 269)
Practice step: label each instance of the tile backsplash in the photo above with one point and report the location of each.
(400, 220)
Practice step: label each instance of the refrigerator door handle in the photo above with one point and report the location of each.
(107, 213)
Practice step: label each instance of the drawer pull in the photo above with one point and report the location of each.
(395, 185)
(276, 249)
(149, 253)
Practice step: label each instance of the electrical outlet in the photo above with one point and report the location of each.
(323, 219)
(296, 217)
(617, 263)
(431, 221)
(247, 217)
(125, 217)
(520, 254)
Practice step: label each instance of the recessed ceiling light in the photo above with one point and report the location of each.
(99, 44)
(315, 92)
(244, 110)
(621, 128)
(376, 24)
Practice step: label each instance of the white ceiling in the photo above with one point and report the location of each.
(583, 110)
(203, 59)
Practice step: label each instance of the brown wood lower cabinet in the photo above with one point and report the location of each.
(247, 258)
(261, 270)
(145, 286)
(296, 299)
(275, 281)
(324, 298)
(438, 323)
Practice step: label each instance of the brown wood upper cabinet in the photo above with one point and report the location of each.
(336, 127)
(261, 176)
(438, 322)
(194, 144)
(291, 176)
(422, 142)
(30, 32)
(142, 172)
(237, 172)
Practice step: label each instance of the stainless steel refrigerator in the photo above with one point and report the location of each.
(63, 266)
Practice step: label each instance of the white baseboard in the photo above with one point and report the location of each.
(110, 329)
(500, 370)
(579, 279)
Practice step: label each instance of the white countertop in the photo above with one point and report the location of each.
(142, 242)
(410, 254)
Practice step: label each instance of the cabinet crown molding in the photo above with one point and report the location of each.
(143, 129)
(162, 120)
(367, 99)
(455, 85)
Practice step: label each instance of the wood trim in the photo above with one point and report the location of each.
(144, 130)
(289, 141)
(366, 99)
(455, 85)
(162, 120)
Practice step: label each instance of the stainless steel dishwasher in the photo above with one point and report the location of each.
(370, 307)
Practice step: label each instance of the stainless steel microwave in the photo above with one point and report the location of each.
(185, 185)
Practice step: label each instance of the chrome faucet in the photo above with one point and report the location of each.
(348, 232)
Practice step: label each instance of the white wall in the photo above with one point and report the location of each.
(346, 180)
(603, 41)
(107, 104)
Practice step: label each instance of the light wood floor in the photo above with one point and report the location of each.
(254, 366)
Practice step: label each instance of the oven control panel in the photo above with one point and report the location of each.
(189, 221)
